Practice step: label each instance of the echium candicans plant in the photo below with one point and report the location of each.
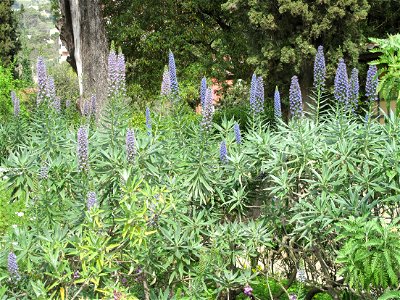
(341, 84)
(42, 80)
(295, 99)
(319, 70)
(56, 104)
(166, 83)
(203, 90)
(254, 101)
(86, 108)
(121, 70)
(260, 94)
(277, 104)
(91, 200)
(208, 110)
(354, 88)
(50, 89)
(238, 135)
(172, 73)
(12, 267)
(15, 102)
(223, 152)
(112, 73)
(130, 145)
(83, 149)
(148, 121)
(371, 84)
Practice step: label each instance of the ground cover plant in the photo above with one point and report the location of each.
(170, 205)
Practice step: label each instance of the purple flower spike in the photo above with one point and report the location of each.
(292, 297)
(130, 145)
(57, 104)
(86, 108)
(12, 266)
(51, 89)
(112, 74)
(83, 149)
(67, 103)
(223, 152)
(295, 99)
(371, 84)
(91, 200)
(354, 89)
(248, 290)
(172, 73)
(253, 91)
(148, 121)
(319, 69)
(260, 95)
(15, 102)
(42, 80)
(207, 110)
(238, 135)
(203, 90)
(166, 83)
(121, 70)
(277, 104)
(341, 85)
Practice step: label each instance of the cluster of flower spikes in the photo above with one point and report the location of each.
(172, 74)
(238, 135)
(277, 104)
(15, 102)
(43, 172)
(116, 74)
(319, 70)
(83, 149)
(207, 110)
(12, 266)
(256, 95)
(166, 83)
(91, 200)
(130, 144)
(371, 84)
(223, 152)
(354, 88)
(341, 84)
(295, 99)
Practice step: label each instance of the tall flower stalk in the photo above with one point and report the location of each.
(341, 85)
(371, 84)
(238, 135)
(295, 99)
(148, 121)
(91, 200)
(130, 145)
(203, 90)
(83, 149)
(223, 152)
(42, 80)
(172, 73)
(319, 78)
(12, 267)
(15, 102)
(208, 110)
(354, 88)
(166, 83)
(277, 104)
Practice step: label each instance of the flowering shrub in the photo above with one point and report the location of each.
(166, 209)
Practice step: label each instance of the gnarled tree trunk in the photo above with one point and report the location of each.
(82, 30)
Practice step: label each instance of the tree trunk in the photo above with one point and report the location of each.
(82, 30)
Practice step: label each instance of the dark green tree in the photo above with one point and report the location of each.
(9, 44)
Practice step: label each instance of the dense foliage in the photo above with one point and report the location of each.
(231, 39)
(9, 44)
